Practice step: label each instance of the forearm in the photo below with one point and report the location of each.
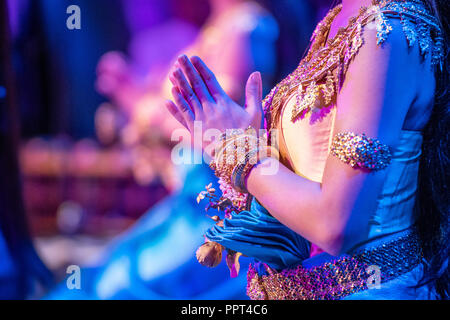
(296, 202)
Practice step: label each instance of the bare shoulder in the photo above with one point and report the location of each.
(395, 73)
(409, 58)
(381, 84)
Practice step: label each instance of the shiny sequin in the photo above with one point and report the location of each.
(383, 27)
(409, 30)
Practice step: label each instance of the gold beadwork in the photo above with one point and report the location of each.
(232, 150)
(359, 151)
(339, 278)
(236, 153)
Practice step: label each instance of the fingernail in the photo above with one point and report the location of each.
(176, 90)
(177, 72)
(182, 58)
(256, 78)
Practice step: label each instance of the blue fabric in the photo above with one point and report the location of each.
(9, 288)
(396, 200)
(400, 288)
(257, 234)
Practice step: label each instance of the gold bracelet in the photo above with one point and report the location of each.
(252, 159)
(239, 151)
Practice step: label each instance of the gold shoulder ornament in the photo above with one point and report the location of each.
(319, 76)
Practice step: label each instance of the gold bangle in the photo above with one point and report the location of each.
(234, 151)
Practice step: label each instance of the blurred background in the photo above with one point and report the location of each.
(86, 173)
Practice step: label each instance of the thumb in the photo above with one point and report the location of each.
(253, 98)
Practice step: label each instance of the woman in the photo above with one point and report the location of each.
(356, 121)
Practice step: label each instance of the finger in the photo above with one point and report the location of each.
(195, 80)
(209, 78)
(253, 96)
(173, 109)
(183, 85)
(183, 107)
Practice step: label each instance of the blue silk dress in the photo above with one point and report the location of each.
(306, 145)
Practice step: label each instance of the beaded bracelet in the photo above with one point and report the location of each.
(232, 148)
(241, 171)
(252, 159)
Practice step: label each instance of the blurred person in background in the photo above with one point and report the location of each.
(55, 66)
(136, 85)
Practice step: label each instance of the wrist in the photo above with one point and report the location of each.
(263, 168)
(237, 154)
(256, 158)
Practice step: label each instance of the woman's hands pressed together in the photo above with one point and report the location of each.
(198, 96)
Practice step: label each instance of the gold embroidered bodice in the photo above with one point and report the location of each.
(317, 80)
(303, 106)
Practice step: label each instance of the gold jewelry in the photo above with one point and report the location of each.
(237, 152)
(232, 148)
(252, 159)
(359, 151)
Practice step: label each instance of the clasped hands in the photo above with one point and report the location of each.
(198, 96)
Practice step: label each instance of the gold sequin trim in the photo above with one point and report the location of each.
(339, 278)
